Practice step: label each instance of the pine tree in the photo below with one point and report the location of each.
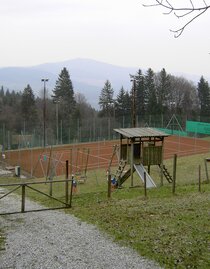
(141, 94)
(28, 107)
(2, 92)
(7, 98)
(106, 100)
(163, 90)
(204, 97)
(1, 98)
(151, 92)
(123, 103)
(64, 94)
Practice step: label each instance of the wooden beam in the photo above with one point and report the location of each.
(131, 164)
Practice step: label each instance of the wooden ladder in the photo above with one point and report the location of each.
(120, 169)
(114, 152)
(166, 174)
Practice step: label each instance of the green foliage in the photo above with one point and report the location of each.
(64, 94)
(158, 97)
(163, 90)
(141, 94)
(106, 99)
(204, 97)
(63, 86)
(172, 230)
(64, 90)
(28, 107)
(123, 103)
(151, 91)
(10, 112)
(163, 94)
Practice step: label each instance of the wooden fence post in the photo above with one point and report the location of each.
(109, 185)
(51, 186)
(174, 174)
(199, 178)
(23, 199)
(70, 202)
(206, 168)
(145, 185)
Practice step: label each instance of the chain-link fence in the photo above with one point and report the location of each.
(94, 129)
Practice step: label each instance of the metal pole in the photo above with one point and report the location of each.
(56, 101)
(109, 127)
(56, 107)
(67, 183)
(134, 104)
(8, 140)
(44, 117)
(44, 112)
(61, 132)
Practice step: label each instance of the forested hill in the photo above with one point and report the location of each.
(88, 77)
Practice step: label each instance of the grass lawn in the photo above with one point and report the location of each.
(173, 230)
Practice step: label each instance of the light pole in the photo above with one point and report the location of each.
(44, 112)
(56, 101)
(134, 103)
(109, 113)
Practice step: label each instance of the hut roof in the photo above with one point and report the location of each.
(140, 132)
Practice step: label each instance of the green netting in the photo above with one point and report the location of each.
(198, 127)
(173, 132)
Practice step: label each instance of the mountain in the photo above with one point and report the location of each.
(88, 77)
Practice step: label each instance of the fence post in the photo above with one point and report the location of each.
(109, 185)
(23, 199)
(67, 183)
(199, 178)
(207, 174)
(145, 185)
(70, 202)
(51, 186)
(174, 174)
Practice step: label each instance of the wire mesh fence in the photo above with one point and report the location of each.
(93, 129)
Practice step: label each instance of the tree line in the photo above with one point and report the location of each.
(158, 94)
(70, 118)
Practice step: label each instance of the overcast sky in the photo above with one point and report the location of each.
(120, 32)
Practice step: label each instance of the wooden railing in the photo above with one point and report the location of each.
(66, 204)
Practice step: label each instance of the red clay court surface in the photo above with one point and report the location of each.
(36, 161)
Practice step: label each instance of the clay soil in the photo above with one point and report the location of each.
(41, 162)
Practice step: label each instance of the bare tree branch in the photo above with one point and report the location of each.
(181, 12)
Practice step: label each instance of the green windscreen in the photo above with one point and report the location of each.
(198, 127)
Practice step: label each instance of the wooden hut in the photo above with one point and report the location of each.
(140, 147)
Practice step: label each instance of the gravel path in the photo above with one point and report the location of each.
(53, 239)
